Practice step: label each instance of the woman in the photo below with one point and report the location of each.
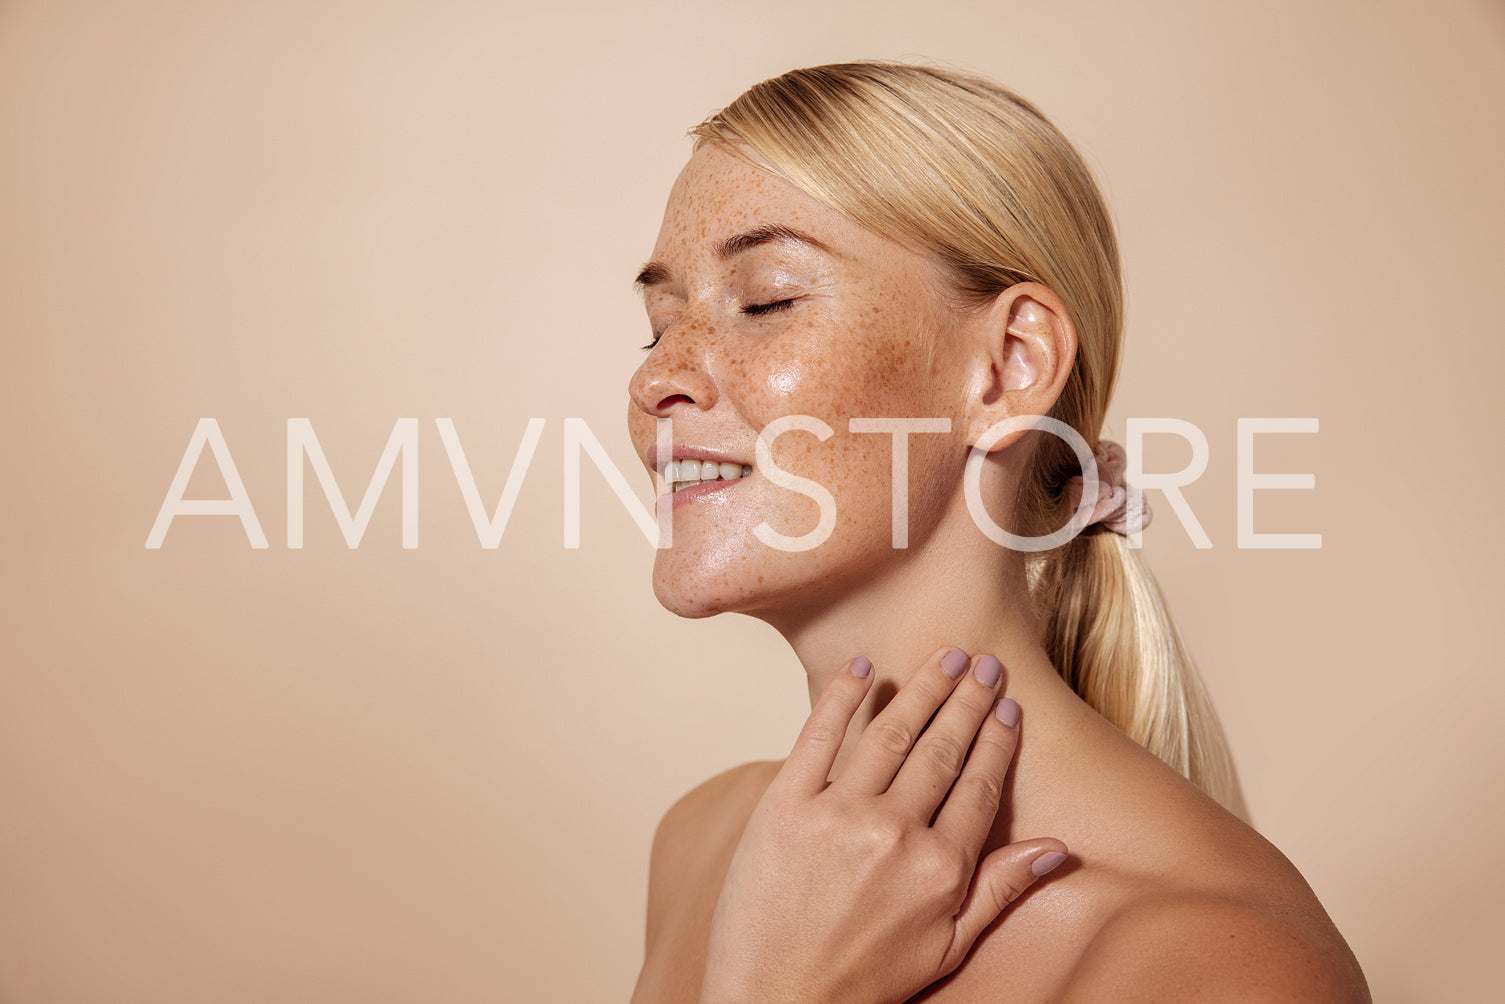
(921, 252)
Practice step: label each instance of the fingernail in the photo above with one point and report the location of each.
(953, 662)
(861, 667)
(1046, 862)
(1008, 712)
(988, 670)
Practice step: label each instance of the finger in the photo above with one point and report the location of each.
(1001, 879)
(967, 817)
(940, 753)
(888, 738)
(814, 752)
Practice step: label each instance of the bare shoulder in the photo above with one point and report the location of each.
(718, 798)
(712, 811)
(1195, 946)
(698, 833)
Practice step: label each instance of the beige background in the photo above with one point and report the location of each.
(432, 775)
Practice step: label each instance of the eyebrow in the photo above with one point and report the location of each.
(656, 273)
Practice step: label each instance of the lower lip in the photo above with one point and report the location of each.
(687, 495)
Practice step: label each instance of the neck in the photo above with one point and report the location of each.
(965, 598)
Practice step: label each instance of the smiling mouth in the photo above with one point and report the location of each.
(681, 474)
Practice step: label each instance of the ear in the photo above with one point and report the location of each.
(1024, 346)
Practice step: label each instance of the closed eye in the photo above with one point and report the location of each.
(752, 309)
(758, 309)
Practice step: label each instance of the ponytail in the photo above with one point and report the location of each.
(1111, 637)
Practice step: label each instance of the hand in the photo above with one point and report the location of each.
(844, 890)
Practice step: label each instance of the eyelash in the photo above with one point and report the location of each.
(759, 309)
(752, 310)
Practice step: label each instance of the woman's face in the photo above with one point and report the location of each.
(766, 304)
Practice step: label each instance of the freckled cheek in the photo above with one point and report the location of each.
(785, 381)
(765, 388)
(840, 371)
(804, 383)
(854, 467)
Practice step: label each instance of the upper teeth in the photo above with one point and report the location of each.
(683, 473)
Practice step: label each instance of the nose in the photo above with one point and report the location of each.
(676, 372)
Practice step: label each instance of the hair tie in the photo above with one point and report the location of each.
(1117, 509)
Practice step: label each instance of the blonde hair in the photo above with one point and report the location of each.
(956, 166)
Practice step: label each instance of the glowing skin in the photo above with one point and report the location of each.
(866, 334)
(766, 304)
(1166, 875)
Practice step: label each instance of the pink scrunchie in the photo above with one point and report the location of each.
(1116, 509)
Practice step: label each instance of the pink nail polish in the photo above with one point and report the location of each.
(988, 670)
(1046, 862)
(953, 662)
(861, 667)
(1008, 712)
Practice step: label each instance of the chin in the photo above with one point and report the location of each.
(682, 587)
(682, 603)
(697, 589)
(694, 594)
(770, 592)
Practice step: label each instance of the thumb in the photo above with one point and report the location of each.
(1001, 878)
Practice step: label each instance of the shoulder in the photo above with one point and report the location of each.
(1198, 947)
(720, 799)
(698, 833)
